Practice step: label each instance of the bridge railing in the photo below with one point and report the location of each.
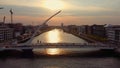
(95, 45)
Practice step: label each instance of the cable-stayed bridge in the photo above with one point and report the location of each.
(39, 27)
(28, 44)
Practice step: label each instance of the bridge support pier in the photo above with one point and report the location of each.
(27, 53)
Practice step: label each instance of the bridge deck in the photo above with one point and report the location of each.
(60, 45)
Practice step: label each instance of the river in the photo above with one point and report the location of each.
(57, 36)
(63, 58)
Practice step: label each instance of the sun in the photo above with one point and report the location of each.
(53, 4)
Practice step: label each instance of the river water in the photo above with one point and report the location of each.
(63, 58)
(57, 36)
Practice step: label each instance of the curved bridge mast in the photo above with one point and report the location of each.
(40, 26)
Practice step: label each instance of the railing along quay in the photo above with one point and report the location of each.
(61, 45)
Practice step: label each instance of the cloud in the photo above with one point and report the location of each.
(87, 8)
(24, 10)
(30, 3)
(93, 8)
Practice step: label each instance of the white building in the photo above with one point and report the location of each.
(113, 33)
(6, 33)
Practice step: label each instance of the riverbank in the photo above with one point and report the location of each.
(81, 36)
(39, 33)
(88, 38)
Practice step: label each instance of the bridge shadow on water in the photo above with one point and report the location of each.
(92, 54)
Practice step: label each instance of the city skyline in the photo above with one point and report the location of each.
(78, 12)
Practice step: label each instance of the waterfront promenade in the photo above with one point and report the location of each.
(83, 36)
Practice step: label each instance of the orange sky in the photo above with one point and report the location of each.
(77, 12)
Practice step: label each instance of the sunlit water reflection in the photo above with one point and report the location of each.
(57, 36)
(53, 36)
(53, 51)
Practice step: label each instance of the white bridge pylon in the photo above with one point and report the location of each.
(39, 26)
